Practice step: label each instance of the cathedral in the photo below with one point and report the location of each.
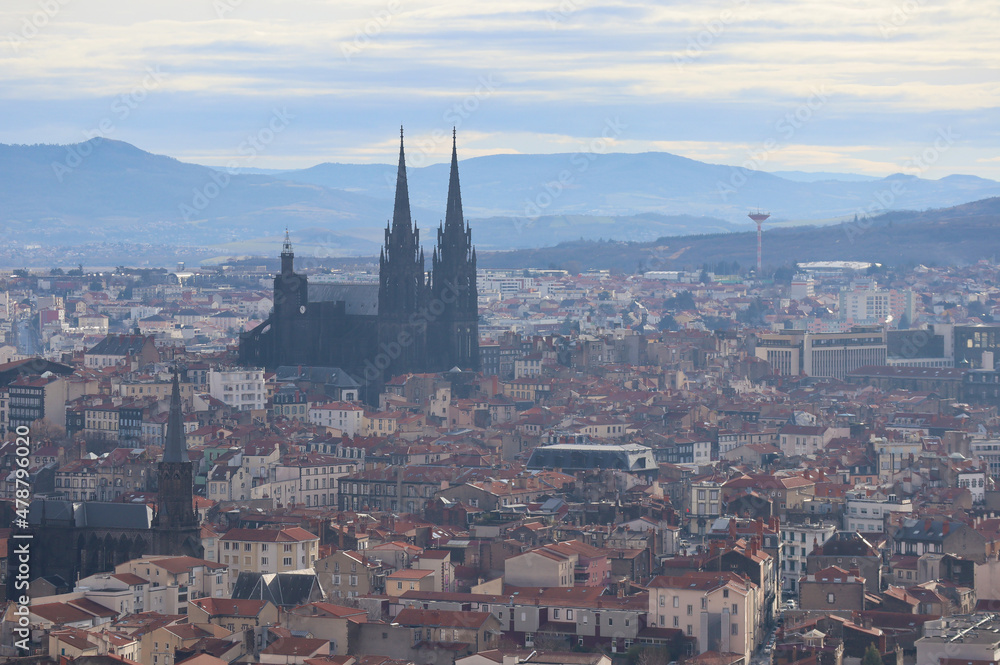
(411, 321)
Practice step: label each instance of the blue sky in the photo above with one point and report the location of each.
(855, 85)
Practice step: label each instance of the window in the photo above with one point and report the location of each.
(569, 615)
(736, 609)
(735, 629)
(677, 621)
(287, 561)
(725, 593)
(689, 631)
(555, 614)
(830, 598)
(704, 603)
(690, 610)
(677, 601)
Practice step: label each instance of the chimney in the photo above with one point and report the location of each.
(945, 528)
(927, 525)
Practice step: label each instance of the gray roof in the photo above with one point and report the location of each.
(629, 457)
(114, 515)
(918, 530)
(280, 589)
(93, 514)
(358, 298)
(119, 345)
(329, 376)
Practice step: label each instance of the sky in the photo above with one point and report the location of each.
(863, 86)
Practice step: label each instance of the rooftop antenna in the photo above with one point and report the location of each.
(759, 218)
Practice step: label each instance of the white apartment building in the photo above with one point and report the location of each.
(988, 451)
(894, 454)
(156, 583)
(831, 355)
(267, 550)
(241, 389)
(309, 479)
(874, 305)
(719, 609)
(797, 543)
(807, 439)
(705, 502)
(345, 416)
(974, 480)
(866, 514)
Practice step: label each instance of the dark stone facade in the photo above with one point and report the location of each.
(411, 321)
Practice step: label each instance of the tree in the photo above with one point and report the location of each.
(569, 326)
(653, 656)
(668, 322)
(871, 656)
(754, 314)
(44, 430)
(683, 301)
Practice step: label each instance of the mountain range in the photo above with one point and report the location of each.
(106, 191)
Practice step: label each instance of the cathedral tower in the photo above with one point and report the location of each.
(402, 286)
(454, 337)
(176, 524)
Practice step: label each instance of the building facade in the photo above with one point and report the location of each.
(411, 321)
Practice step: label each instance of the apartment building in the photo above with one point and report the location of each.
(166, 584)
(344, 416)
(719, 610)
(268, 550)
(797, 543)
(865, 512)
(241, 389)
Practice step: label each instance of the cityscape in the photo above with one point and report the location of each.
(661, 333)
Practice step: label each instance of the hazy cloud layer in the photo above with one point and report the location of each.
(856, 85)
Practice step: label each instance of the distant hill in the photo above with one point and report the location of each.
(105, 191)
(958, 235)
(109, 190)
(619, 184)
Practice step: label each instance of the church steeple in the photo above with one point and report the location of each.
(176, 445)
(402, 280)
(453, 218)
(455, 335)
(287, 256)
(177, 525)
(401, 209)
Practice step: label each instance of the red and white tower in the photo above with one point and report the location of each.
(759, 217)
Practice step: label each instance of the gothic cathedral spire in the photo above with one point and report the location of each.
(402, 282)
(455, 336)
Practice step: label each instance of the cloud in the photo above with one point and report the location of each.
(720, 73)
